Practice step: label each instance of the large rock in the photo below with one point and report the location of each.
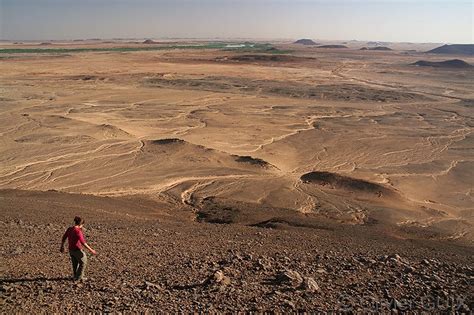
(147, 285)
(219, 278)
(310, 285)
(289, 277)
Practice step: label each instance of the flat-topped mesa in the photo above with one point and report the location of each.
(336, 181)
(453, 63)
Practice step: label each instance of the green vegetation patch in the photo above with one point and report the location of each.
(241, 47)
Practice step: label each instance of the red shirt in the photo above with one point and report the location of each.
(74, 237)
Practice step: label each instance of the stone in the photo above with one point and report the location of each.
(289, 304)
(289, 277)
(310, 285)
(261, 263)
(395, 258)
(150, 285)
(219, 278)
(395, 305)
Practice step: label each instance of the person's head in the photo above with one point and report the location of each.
(78, 221)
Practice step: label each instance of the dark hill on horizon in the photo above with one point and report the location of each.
(377, 43)
(305, 41)
(150, 41)
(454, 63)
(380, 48)
(458, 49)
(333, 46)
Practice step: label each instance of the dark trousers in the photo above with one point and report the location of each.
(79, 263)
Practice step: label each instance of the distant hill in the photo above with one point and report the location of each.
(372, 43)
(305, 41)
(381, 48)
(333, 46)
(458, 49)
(150, 41)
(454, 63)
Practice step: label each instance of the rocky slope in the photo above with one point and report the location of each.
(149, 260)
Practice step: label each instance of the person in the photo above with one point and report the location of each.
(76, 242)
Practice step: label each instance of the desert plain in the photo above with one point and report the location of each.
(236, 178)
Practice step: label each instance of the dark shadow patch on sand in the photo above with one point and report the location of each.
(167, 141)
(336, 181)
(50, 139)
(253, 161)
(339, 92)
(85, 77)
(218, 210)
(284, 223)
(218, 215)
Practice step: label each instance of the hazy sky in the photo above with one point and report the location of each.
(384, 20)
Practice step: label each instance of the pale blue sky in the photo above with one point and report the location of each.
(384, 20)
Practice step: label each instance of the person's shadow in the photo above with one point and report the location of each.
(37, 279)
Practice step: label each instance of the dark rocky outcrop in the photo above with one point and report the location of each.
(150, 42)
(305, 41)
(454, 63)
(379, 48)
(333, 46)
(456, 49)
(167, 141)
(252, 160)
(336, 181)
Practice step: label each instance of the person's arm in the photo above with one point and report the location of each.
(63, 240)
(93, 252)
(83, 242)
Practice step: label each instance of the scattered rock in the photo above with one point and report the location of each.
(397, 259)
(310, 285)
(219, 278)
(289, 277)
(150, 286)
(289, 304)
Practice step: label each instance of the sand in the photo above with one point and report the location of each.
(319, 137)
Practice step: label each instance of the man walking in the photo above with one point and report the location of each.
(76, 241)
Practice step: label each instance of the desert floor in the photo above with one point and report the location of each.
(230, 180)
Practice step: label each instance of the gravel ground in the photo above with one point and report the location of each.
(150, 260)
